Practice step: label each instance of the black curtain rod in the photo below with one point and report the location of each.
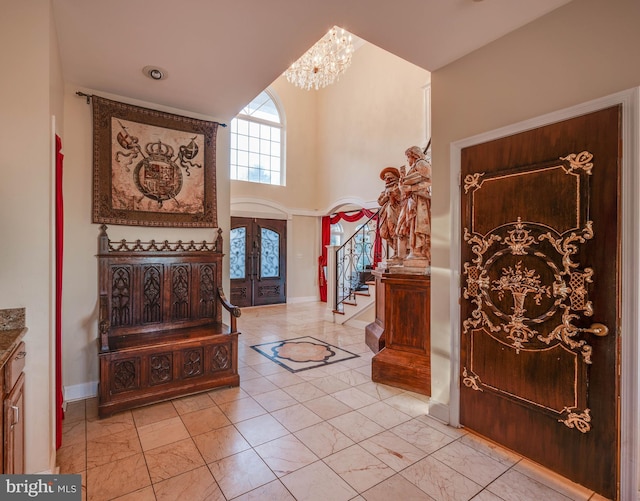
(89, 96)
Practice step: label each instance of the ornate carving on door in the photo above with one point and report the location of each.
(529, 292)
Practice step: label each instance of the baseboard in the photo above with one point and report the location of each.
(439, 411)
(80, 391)
(302, 299)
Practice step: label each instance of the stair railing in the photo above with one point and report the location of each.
(354, 259)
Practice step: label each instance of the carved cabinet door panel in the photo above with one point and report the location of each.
(540, 293)
(257, 261)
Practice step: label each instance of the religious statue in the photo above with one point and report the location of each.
(389, 202)
(414, 220)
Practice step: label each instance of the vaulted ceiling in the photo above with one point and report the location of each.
(219, 54)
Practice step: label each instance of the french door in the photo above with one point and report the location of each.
(540, 308)
(257, 261)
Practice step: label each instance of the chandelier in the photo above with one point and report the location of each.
(323, 63)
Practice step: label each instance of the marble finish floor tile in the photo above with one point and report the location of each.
(153, 413)
(296, 417)
(242, 409)
(107, 448)
(261, 429)
(441, 482)
(72, 458)
(398, 488)
(379, 391)
(162, 433)
(422, 436)
(305, 391)
(226, 395)
(113, 424)
(318, 482)
(516, 485)
(356, 426)
(275, 400)
(241, 473)
(273, 491)
(359, 468)
(282, 380)
(117, 478)
(192, 403)
(204, 420)
(194, 485)
(392, 450)
(146, 494)
(285, 455)
(220, 443)
(385, 415)
(173, 459)
(354, 398)
(324, 439)
(475, 465)
(327, 407)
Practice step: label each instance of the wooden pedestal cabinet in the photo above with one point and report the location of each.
(405, 360)
(12, 393)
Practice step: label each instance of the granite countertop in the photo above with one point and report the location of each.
(12, 330)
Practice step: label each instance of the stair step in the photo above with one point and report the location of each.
(338, 312)
(361, 293)
(352, 303)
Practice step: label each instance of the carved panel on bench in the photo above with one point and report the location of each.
(126, 375)
(152, 284)
(121, 295)
(161, 368)
(180, 283)
(192, 363)
(207, 291)
(220, 358)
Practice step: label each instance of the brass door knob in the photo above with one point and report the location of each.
(599, 330)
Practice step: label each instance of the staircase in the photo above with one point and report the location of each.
(351, 288)
(358, 303)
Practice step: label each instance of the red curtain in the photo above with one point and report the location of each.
(59, 247)
(327, 221)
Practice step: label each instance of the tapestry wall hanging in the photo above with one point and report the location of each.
(152, 168)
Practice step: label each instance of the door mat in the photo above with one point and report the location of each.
(303, 353)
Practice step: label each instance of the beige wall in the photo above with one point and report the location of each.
(80, 360)
(584, 50)
(300, 192)
(338, 139)
(26, 101)
(367, 120)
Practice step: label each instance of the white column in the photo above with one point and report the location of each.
(330, 274)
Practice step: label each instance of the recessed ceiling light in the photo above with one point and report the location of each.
(154, 72)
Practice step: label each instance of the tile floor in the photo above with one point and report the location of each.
(326, 434)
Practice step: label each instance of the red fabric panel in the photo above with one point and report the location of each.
(59, 248)
(327, 221)
(322, 260)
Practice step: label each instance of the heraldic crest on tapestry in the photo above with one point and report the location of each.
(152, 168)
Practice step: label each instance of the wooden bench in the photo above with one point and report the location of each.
(160, 322)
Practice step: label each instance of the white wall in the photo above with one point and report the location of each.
(27, 96)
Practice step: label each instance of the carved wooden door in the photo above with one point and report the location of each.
(540, 307)
(257, 261)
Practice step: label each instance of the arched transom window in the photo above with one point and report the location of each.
(257, 142)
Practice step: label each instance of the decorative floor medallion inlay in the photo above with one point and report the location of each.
(303, 353)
